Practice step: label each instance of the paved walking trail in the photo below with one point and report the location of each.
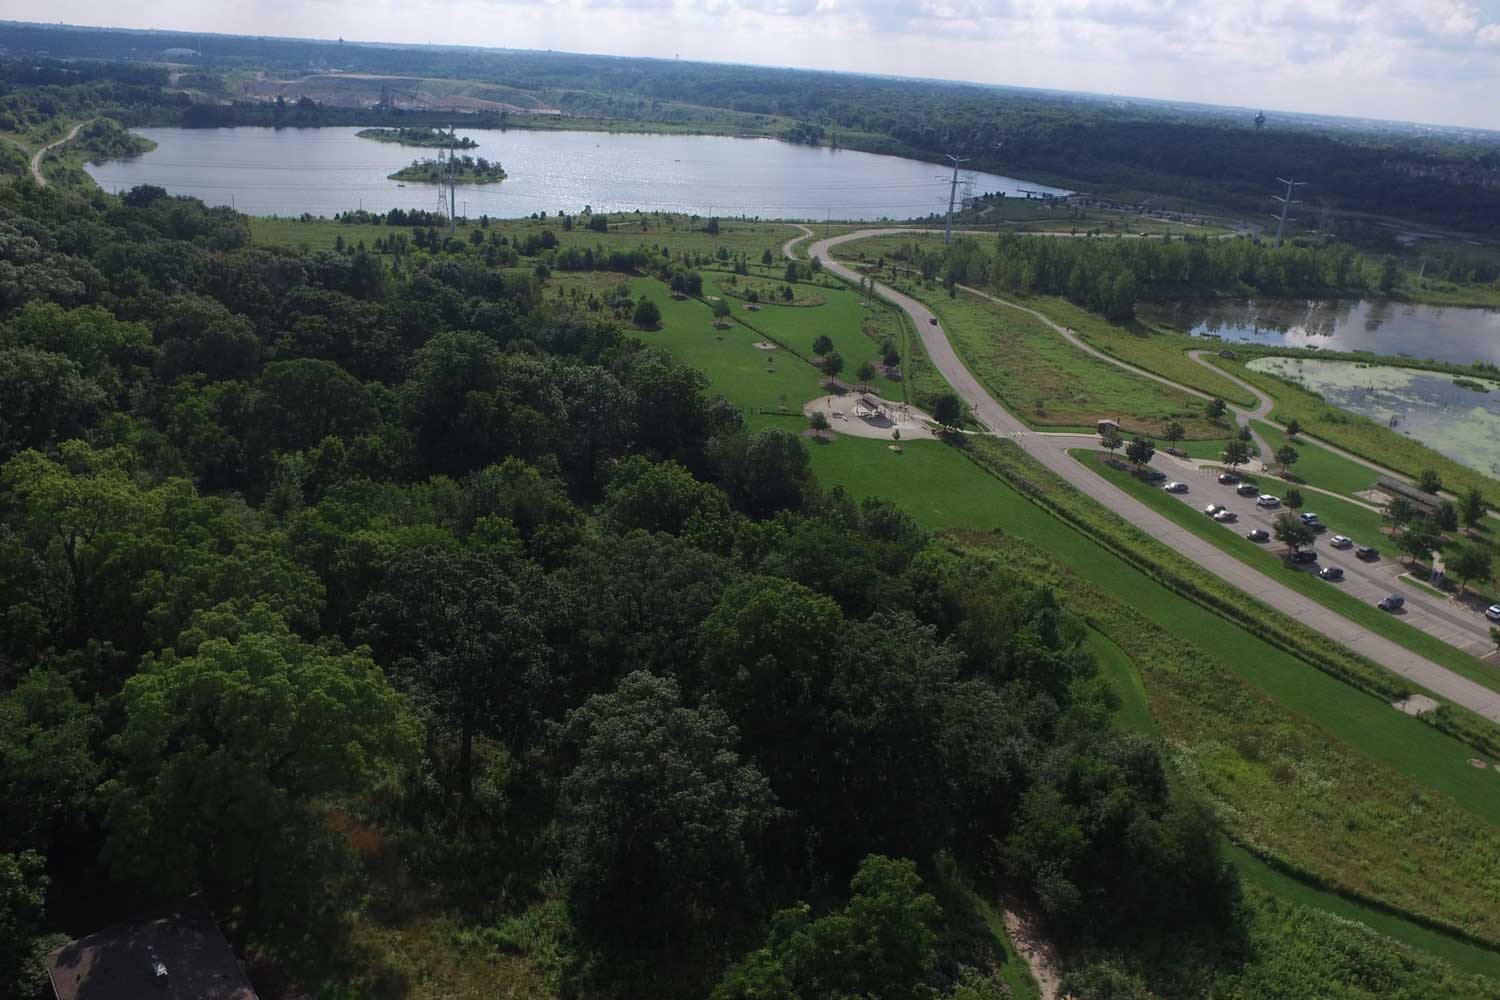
(1052, 452)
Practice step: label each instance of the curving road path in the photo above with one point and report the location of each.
(1052, 452)
(39, 155)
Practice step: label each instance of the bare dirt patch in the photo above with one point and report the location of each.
(1415, 704)
(861, 414)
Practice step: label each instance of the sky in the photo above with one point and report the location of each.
(1432, 61)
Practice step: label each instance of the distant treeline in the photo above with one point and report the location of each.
(1110, 276)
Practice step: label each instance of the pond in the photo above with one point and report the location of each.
(290, 171)
(1445, 333)
(1461, 421)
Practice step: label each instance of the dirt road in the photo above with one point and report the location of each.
(37, 157)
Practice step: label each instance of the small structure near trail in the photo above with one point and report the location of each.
(864, 414)
(174, 954)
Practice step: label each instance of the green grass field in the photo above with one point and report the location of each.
(1319, 466)
(1263, 559)
(1048, 382)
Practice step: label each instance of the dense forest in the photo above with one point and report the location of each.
(302, 552)
(1204, 155)
(1110, 276)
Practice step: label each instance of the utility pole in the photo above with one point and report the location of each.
(1287, 201)
(952, 195)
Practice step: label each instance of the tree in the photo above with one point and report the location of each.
(47, 400)
(764, 471)
(1110, 438)
(1400, 511)
(1173, 432)
(819, 421)
(1447, 516)
(657, 815)
(832, 363)
(1293, 498)
(1236, 453)
(1419, 540)
(47, 767)
(1291, 532)
(1472, 507)
(712, 228)
(881, 946)
(225, 744)
(456, 631)
(23, 895)
(793, 272)
(647, 315)
(1471, 563)
(1430, 481)
(867, 371)
(948, 411)
(1293, 427)
(1286, 457)
(1390, 275)
(823, 344)
(766, 259)
(1244, 433)
(1140, 450)
(1215, 408)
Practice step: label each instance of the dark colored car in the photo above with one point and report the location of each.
(1395, 602)
(1248, 490)
(1304, 556)
(1228, 477)
(933, 320)
(1258, 535)
(1331, 573)
(1367, 552)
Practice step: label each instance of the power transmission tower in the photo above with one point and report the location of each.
(952, 195)
(1287, 201)
(452, 185)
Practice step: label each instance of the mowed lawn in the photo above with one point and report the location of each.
(1048, 382)
(1318, 466)
(856, 330)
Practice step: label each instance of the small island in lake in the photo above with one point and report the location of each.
(464, 170)
(421, 136)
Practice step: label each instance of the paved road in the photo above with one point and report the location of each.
(1051, 451)
(36, 159)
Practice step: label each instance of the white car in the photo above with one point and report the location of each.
(1226, 516)
(1267, 501)
(1175, 487)
(1341, 541)
(1213, 509)
(1493, 612)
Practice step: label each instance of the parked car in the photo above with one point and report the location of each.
(1267, 501)
(1228, 477)
(1341, 541)
(1226, 516)
(1309, 518)
(1258, 535)
(1331, 573)
(1247, 489)
(1493, 612)
(1176, 487)
(1394, 602)
(1367, 552)
(1213, 509)
(1304, 556)
(1154, 475)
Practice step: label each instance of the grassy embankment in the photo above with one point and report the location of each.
(1050, 384)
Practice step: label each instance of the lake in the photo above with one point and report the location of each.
(1445, 333)
(321, 171)
(1460, 422)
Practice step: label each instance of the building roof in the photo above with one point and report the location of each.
(1398, 488)
(871, 401)
(117, 963)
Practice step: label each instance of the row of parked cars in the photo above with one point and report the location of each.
(1266, 501)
